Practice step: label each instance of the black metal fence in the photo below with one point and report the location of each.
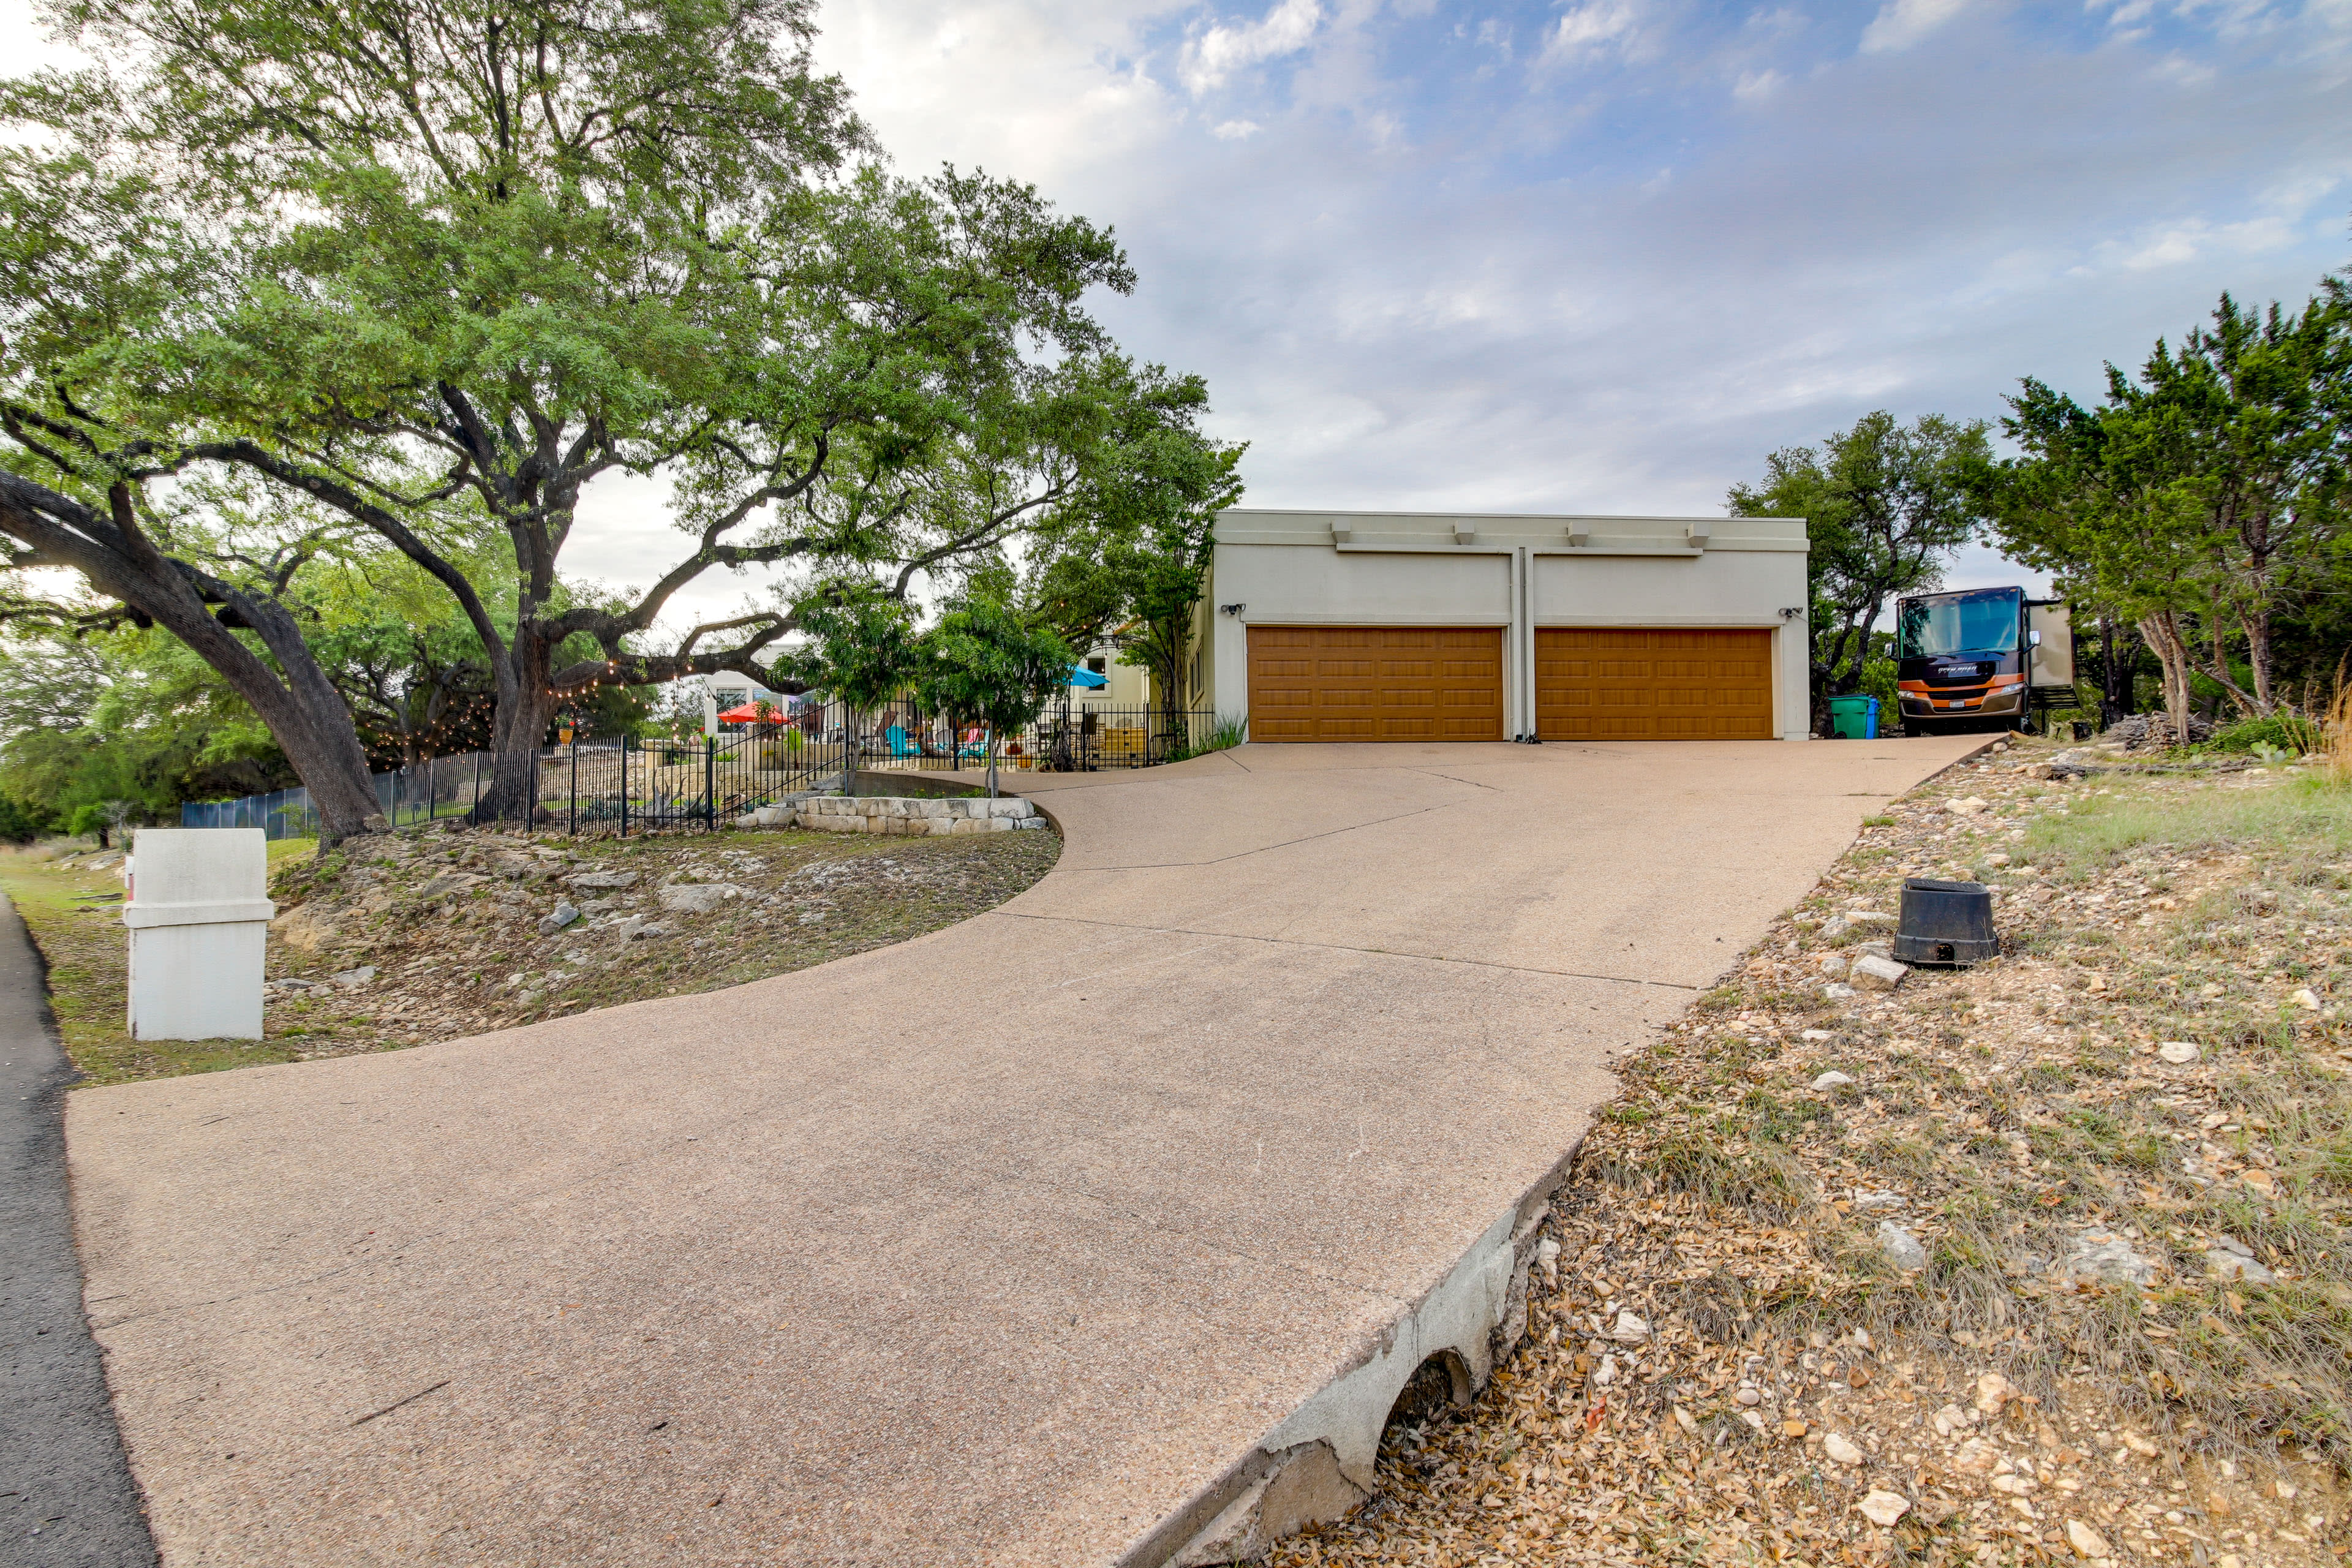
(626, 783)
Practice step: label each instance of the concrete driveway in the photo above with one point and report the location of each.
(1042, 1240)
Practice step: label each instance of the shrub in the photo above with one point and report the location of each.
(21, 824)
(2280, 732)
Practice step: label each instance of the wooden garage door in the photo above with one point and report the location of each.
(1375, 683)
(1618, 683)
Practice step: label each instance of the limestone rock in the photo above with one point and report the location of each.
(306, 929)
(2179, 1053)
(2106, 1258)
(1830, 1080)
(2304, 997)
(699, 898)
(1834, 964)
(353, 979)
(563, 915)
(2086, 1541)
(1902, 1249)
(1974, 805)
(1841, 1449)
(1816, 1035)
(2222, 1263)
(611, 881)
(1837, 991)
(1872, 973)
(1993, 1394)
(1630, 1329)
(1867, 920)
(1884, 1508)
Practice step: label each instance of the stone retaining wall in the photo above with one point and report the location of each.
(899, 815)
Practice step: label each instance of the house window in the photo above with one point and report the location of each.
(1098, 664)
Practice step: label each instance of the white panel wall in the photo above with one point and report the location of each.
(1720, 588)
(1314, 585)
(1311, 584)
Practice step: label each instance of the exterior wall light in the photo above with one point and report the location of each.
(1233, 610)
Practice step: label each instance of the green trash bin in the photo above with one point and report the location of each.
(1854, 717)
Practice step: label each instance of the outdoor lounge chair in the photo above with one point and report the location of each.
(899, 746)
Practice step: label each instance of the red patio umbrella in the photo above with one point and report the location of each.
(748, 713)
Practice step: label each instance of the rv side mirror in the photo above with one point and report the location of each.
(2033, 639)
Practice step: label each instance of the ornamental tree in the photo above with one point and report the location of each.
(469, 261)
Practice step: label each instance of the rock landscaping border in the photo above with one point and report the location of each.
(910, 816)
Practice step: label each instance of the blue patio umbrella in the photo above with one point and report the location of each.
(1082, 676)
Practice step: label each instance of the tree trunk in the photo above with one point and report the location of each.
(849, 749)
(2258, 655)
(2161, 632)
(2118, 674)
(302, 711)
(521, 721)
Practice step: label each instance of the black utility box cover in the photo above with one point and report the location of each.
(1944, 922)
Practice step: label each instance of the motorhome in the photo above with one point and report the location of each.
(1980, 659)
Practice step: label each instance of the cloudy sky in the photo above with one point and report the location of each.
(1603, 255)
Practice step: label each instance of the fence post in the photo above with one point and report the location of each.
(476, 812)
(710, 783)
(575, 788)
(625, 787)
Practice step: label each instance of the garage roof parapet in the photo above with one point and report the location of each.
(1547, 533)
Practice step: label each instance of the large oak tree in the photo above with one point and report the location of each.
(471, 260)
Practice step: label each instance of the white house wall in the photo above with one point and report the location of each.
(1286, 568)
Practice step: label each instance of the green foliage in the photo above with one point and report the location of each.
(2281, 732)
(861, 647)
(122, 716)
(981, 662)
(436, 273)
(1884, 506)
(2202, 501)
(20, 824)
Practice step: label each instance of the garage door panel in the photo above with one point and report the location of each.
(1627, 683)
(1376, 683)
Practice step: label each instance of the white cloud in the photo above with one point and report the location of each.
(1753, 87)
(1220, 50)
(1235, 130)
(1593, 27)
(2173, 244)
(1903, 23)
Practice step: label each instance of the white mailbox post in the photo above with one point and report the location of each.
(198, 908)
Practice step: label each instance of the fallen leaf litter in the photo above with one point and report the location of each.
(1972, 1270)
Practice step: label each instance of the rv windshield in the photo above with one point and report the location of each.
(1981, 622)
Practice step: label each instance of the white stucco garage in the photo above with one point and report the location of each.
(1355, 626)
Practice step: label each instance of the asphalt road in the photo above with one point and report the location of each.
(66, 1493)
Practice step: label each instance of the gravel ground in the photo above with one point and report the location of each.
(2043, 1259)
(413, 937)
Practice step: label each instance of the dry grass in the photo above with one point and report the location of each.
(448, 920)
(2007, 1119)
